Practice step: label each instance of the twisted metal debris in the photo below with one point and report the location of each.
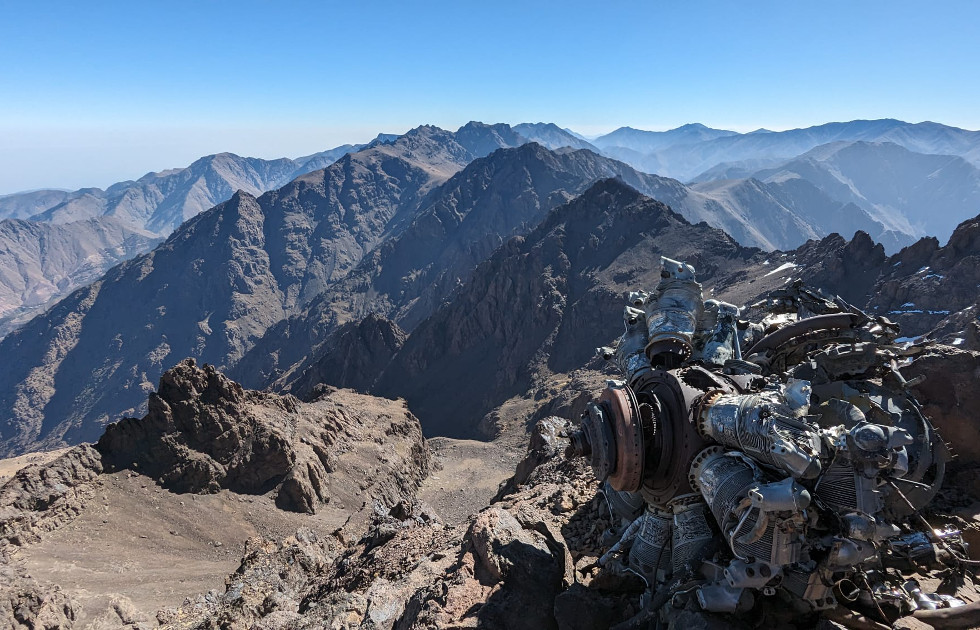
(790, 473)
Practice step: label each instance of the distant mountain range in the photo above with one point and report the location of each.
(680, 154)
(399, 230)
(159, 202)
(910, 194)
(413, 246)
(639, 142)
(770, 214)
(896, 180)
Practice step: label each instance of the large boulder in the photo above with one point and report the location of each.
(950, 397)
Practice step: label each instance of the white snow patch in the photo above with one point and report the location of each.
(918, 310)
(782, 267)
(958, 341)
(909, 304)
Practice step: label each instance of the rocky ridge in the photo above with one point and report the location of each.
(42, 498)
(926, 288)
(523, 562)
(205, 433)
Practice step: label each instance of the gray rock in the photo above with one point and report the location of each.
(41, 498)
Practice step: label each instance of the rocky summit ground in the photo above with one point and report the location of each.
(228, 508)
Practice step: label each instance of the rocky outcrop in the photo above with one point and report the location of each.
(926, 288)
(205, 432)
(848, 268)
(27, 605)
(353, 356)
(40, 498)
(947, 388)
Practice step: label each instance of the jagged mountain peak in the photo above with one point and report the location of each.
(611, 186)
(552, 136)
(965, 239)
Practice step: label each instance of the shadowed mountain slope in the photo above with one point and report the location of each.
(210, 291)
(462, 222)
(40, 263)
(534, 307)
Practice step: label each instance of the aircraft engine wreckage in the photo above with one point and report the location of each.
(787, 474)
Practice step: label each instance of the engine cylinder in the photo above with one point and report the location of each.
(672, 318)
(650, 555)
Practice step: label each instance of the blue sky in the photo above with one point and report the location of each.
(93, 93)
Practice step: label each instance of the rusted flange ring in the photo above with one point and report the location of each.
(625, 418)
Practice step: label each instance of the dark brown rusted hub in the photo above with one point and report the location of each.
(625, 418)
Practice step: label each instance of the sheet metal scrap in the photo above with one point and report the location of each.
(781, 461)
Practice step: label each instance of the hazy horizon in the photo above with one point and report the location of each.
(100, 94)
